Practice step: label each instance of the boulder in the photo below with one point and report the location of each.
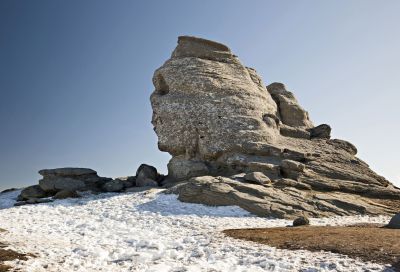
(146, 182)
(394, 222)
(128, 182)
(34, 191)
(322, 131)
(66, 194)
(60, 183)
(72, 179)
(116, 185)
(301, 221)
(146, 172)
(290, 112)
(67, 172)
(257, 178)
(216, 118)
(179, 168)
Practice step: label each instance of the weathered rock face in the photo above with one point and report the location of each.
(276, 200)
(207, 103)
(73, 179)
(290, 112)
(216, 118)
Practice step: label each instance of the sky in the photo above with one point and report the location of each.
(75, 76)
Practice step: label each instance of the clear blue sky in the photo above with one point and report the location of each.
(75, 76)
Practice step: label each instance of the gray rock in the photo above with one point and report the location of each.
(32, 201)
(394, 222)
(257, 178)
(290, 112)
(294, 132)
(66, 194)
(62, 183)
(67, 172)
(216, 118)
(146, 182)
(286, 182)
(180, 168)
(301, 221)
(322, 131)
(292, 169)
(73, 179)
(34, 191)
(20, 203)
(145, 172)
(276, 201)
(114, 186)
(292, 165)
(128, 182)
(203, 96)
(345, 145)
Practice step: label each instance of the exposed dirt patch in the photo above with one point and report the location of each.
(9, 255)
(368, 242)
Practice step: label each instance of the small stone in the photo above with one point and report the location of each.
(257, 178)
(301, 221)
(394, 222)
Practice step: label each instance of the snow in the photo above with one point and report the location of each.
(8, 199)
(151, 231)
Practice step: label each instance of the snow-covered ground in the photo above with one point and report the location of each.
(150, 231)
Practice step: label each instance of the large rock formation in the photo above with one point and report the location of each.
(216, 118)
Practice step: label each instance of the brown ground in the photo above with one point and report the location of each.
(9, 255)
(367, 242)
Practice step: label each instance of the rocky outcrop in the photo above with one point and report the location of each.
(34, 191)
(148, 176)
(61, 183)
(216, 118)
(276, 199)
(290, 112)
(73, 179)
(206, 103)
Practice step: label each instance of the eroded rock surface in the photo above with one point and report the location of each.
(73, 179)
(216, 118)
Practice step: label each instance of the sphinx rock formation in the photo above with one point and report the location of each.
(220, 123)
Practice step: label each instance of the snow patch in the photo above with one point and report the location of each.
(151, 231)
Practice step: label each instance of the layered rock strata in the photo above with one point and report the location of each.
(216, 118)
